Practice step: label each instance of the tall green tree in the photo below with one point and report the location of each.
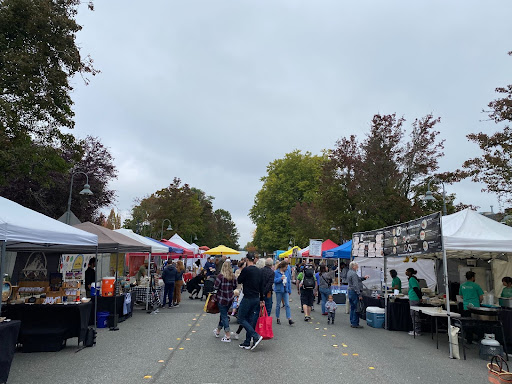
(291, 180)
(226, 231)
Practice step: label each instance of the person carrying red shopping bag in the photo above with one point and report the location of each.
(264, 325)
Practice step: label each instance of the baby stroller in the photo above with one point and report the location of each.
(207, 287)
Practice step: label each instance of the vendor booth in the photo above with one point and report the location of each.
(22, 229)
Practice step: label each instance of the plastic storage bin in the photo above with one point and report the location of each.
(102, 319)
(375, 317)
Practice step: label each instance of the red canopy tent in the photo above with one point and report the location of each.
(326, 245)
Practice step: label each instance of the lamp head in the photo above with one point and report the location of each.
(428, 196)
(169, 228)
(87, 190)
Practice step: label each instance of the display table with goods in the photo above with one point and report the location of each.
(46, 327)
(8, 337)
(434, 313)
(123, 307)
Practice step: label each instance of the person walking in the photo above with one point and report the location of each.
(250, 278)
(325, 279)
(355, 292)
(283, 289)
(194, 284)
(414, 299)
(307, 287)
(178, 284)
(169, 277)
(330, 307)
(225, 284)
(267, 281)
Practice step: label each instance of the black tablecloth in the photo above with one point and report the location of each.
(506, 319)
(399, 316)
(106, 304)
(8, 336)
(373, 302)
(73, 318)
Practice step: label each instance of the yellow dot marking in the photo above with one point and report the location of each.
(189, 325)
(355, 354)
(345, 345)
(194, 318)
(324, 335)
(178, 338)
(193, 331)
(317, 328)
(170, 349)
(335, 345)
(148, 377)
(182, 348)
(160, 361)
(318, 322)
(371, 367)
(345, 354)
(197, 325)
(310, 322)
(325, 329)
(187, 339)
(333, 335)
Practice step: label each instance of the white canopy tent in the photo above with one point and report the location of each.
(22, 229)
(155, 247)
(176, 239)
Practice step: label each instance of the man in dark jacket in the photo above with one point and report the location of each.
(169, 277)
(267, 283)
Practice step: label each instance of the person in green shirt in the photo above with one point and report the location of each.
(470, 291)
(396, 283)
(507, 291)
(414, 299)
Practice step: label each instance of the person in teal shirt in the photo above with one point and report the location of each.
(507, 291)
(414, 299)
(396, 283)
(470, 291)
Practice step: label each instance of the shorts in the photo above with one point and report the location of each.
(307, 297)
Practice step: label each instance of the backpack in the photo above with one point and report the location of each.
(90, 337)
(308, 282)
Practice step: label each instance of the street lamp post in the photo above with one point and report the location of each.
(341, 233)
(169, 228)
(291, 243)
(85, 191)
(430, 197)
(193, 237)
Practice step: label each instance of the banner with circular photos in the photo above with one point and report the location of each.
(416, 237)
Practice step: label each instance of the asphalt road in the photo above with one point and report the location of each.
(178, 346)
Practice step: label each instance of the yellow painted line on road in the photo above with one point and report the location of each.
(160, 361)
(324, 335)
(182, 348)
(187, 339)
(333, 335)
(344, 354)
(179, 338)
(335, 345)
(345, 345)
(371, 367)
(355, 354)
(148, 377)
(317, 328)
(170, 349)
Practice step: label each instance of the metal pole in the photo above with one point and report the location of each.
(96, 290)
(150, 281)
(68, 212)
(115, 327)
(444, 201)
(447, 290)
(385, 293)
(2, 263)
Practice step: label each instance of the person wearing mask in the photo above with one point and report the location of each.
(209, 266)
(414, 299)
(169, 277)
(143, 272)
(325, 278)
(267, 281)
(507, 291)
(225, 284)
(250, 278)
(283, 289)
(176, 297)
(90, 276)
(355, 292)
(396, 283)
(471, 292)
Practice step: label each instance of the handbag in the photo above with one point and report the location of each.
(211, 305)
(496, 373)
(361, 309)
(264, 325)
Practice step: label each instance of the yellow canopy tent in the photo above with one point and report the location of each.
(221, 250)
(290, 252)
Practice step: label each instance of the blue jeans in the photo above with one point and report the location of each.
(268, 304)
(248, 316)
(168, 292)
(324, 292)
(224, 319)
(353, 299)
(280, 296)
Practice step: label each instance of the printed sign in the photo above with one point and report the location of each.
(315, 248)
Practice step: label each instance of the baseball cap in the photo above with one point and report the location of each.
(250, 256)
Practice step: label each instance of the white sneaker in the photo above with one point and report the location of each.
(235, 335)
(215, 333)
(411, 333)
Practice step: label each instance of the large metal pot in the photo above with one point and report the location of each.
(484, 313)
(506, 302)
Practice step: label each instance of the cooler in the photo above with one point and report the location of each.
(375, 317)
(107, 286)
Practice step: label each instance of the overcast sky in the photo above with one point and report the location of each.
(213, 91)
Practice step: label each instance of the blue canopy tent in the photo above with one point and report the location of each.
(344, 251)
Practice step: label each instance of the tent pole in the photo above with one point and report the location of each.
(96, 291)
(2, 263)
(148, 289)
(447, 290)
(385, 292)
(115, 327)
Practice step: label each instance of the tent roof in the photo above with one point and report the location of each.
(24, 229)
(169, 248)
(182, 243)
(112, 242)
(186, 252)
(155, 247)
(289, 252)
(326, 245)
(344, 251)
(468, 233)
(221, 250)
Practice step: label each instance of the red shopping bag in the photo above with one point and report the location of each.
(264, 325)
